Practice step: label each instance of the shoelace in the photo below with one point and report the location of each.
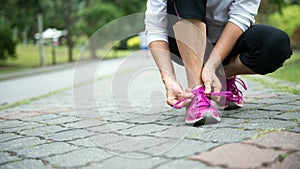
(201, 100)
(233, 88)
(204, 102)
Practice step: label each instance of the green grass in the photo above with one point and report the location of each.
(266, 131)
(114, 54)
(28, 57)
(282, 156)
(277, 86)
(290, 70)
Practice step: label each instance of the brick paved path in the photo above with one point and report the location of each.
(55, 132)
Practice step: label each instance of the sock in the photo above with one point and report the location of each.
(196, 87)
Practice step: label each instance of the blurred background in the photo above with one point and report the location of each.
(40, 33)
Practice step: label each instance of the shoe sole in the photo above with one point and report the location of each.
(230, 106)
(233, 105)
(207, 118)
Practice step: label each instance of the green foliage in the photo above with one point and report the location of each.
(288, 21)
(129, 6)
(7, 44)
(279, 3)
(87, 15)
(268, 7)
(294, 1)
(96, 16)
(289, 72)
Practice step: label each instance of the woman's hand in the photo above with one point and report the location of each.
(174, 92)
(211, 81)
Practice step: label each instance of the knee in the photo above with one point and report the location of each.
(279, 44)
(277, 50)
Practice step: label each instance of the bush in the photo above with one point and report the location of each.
(288, 21)
(96, 16)
(7, 44)
(134, 43)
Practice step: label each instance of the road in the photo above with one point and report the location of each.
(21, 88)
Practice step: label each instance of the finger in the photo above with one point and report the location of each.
(207, 86)
(216, 98)
(188, 90)
(217, 87)
(181, 103)
(186, 95)
(172, 101)
(184, 103)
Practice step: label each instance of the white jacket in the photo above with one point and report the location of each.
(218, 13)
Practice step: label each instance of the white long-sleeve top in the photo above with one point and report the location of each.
(218, 13)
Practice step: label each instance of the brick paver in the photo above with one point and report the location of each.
(237, 155)
(291, 161)
(287, 141)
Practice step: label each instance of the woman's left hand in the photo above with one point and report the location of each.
(210, 80)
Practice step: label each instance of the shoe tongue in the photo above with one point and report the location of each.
(199, 90)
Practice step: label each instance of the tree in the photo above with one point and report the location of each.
(268, 7)
(94, 17)
(23, 12)
(7, 44)
(288, 21)
(91, 14)
(25, 15)
(68, 9)
(129, 6)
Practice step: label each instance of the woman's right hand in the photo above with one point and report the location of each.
(161, 54)
(174, 93)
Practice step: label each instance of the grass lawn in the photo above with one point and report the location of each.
(290, 70)
(28, 57)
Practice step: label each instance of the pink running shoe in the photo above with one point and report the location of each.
(200, 109)
(236, 99)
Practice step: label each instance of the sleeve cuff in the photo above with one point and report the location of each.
(241, 21)
(152, 38)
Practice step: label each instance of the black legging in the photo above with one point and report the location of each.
(262, 48)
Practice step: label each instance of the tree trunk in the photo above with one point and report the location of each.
(70, 45)
(67, 12)
(93, 47)
(53, 52)
(41, 40)
(25, 36)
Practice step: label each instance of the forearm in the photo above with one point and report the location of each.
(225, 44)
(161, 54)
